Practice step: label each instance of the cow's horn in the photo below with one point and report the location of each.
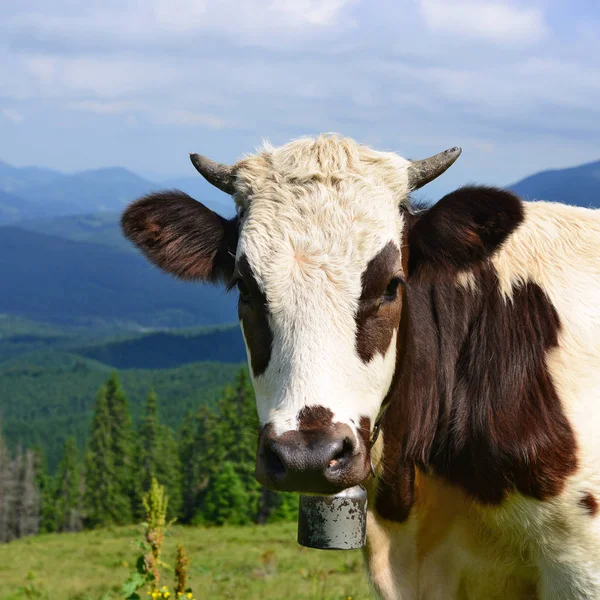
(221, 176)
(423, 171)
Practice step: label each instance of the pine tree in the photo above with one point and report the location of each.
(169, 470)
(237, 436)
(148, 443)
(226, 500)
(45, 485)
(198, 450)
(121, 447)
(157, 457)
(67, 497)
(100, 489)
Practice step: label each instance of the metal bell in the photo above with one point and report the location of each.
(334, 522)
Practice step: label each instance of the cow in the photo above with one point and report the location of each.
(446, 357)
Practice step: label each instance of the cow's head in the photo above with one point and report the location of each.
(318, 255)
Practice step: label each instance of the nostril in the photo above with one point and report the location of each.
(273, 462)
(343, 455)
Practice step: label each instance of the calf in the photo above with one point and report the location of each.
(468, 331)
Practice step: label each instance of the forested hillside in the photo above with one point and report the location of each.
(54, 280)
(45, 405)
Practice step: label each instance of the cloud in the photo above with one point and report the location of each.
(104, 76)
(267, 23)
(515, 82)
(99, 107)
(13, 115)
(490, 21)
(189, 118)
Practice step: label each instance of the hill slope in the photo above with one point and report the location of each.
(100, 228)
(54, 280)
(12, 179)
(577, 185)
(14, 208)
(89, 191)
(44, 404)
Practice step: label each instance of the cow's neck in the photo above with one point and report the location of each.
(472, 399)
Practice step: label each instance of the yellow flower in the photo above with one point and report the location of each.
(190, 595)
(166, 594)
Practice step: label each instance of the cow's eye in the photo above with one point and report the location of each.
(391, 291)
(243, 290)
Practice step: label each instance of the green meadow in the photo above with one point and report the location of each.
(249, 563)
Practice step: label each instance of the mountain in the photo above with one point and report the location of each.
(101, 228)
(165, 349)
(576, 185)
(14, 208)
(99, 190)
(13, 179)
(54, 280)
(34, 192)
(42, 344)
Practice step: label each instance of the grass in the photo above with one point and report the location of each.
(250, 563)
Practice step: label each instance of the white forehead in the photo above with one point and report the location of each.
(327, 202)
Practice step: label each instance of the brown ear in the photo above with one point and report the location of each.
(182, 236)
(463, 229)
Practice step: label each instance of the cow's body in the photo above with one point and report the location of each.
(474, 326)
(452, 546)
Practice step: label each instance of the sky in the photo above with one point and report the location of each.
(141, 83)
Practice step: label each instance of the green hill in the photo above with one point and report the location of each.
(60, 281)
(48, 396)
(165, 349)
(100, 228)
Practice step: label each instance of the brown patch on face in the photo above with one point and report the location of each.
(378, 315)
(314, 417)
(253, 315)
(589, 503)
(182, 236)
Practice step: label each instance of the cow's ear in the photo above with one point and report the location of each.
(463, 229)
(182, 236)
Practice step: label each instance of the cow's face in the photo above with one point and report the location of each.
(316, 256)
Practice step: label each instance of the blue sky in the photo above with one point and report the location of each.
(140, 83)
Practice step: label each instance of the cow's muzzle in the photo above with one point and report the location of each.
(312, 461)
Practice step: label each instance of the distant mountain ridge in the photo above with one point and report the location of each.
(33, 192)
(579, 186)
